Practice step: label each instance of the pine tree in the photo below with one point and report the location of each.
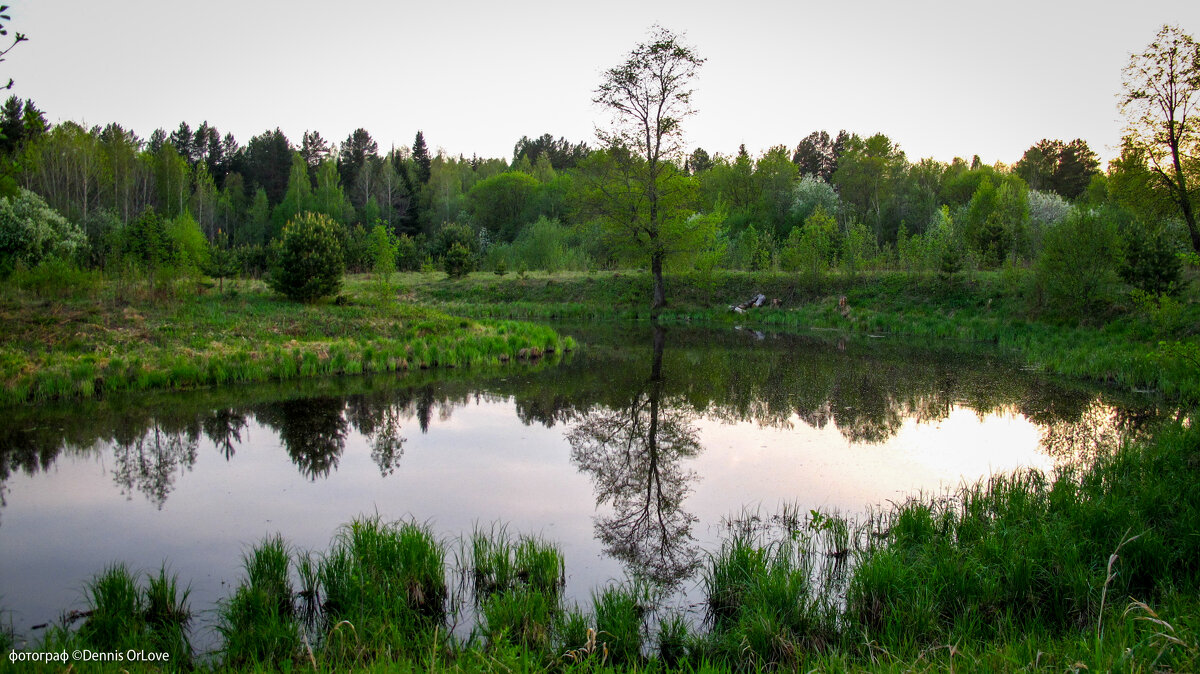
(420, 155)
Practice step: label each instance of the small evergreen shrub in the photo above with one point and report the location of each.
(310, 263)
(458, 262)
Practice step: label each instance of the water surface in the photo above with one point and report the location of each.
(629, 453)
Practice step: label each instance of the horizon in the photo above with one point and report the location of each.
(926, 78)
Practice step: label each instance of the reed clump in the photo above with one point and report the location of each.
(387, 582)
(132, 610)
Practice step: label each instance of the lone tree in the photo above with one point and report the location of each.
(649, 95)
(1162, 92)
(310, 262)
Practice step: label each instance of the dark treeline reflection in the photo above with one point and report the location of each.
(627, 399)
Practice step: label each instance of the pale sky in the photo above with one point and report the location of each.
(943, 79)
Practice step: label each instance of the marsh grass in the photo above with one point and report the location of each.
(85, 345)
(387, 583)
(499, 564)
(620, 612)
(522, 616)
(258, 623)
(131, 610)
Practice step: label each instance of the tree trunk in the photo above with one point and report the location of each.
(660, 292)
(1185, 202)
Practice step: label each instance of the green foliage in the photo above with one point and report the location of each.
(502, 203)
(147, 241)
(31, 231)
(385, 579)
(450, 234)
(811, 193)
(383, 247)
(996, 223)
(298, 198)
(408, 253)
(258, 624)
(546, 244)
(754, 250)
(310, 261)
(104, 231)
(1076, 272)
(122, 614)
(522, 617)
(810, 248)
(190, 250)
(498, 565)
(857, 247)
(619, 612)
(458, 261)
(1151, 259)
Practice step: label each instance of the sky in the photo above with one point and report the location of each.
(943, 79)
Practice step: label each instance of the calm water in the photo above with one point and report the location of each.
(628, 453)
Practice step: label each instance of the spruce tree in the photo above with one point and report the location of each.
(420, 155)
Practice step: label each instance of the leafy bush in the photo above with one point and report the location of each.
(857, 245)
(187, 245)
(452, 234)
(408, 253)
(546, 244)
(31, 231)
(310, 261)
(811, 193)
(104, 230)
(146, 240)
(1151, 261)
(1076, 271)
(382, 245)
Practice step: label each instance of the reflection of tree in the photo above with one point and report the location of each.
(224, 428)
(149, 462)
(633, 455)
(313, 430)
(378, 419)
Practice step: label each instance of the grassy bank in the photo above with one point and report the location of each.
(1093, 569)
(94, 337)
(1138, 343)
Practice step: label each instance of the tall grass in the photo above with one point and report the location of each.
(130, 610)
(498, 564)
(387, 582)
(258, 623)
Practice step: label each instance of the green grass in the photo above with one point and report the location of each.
(499, 565)
(384, 591)
(128, 610)
(97, 341)
(258, 623)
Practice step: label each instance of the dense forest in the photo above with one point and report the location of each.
(844, 200)
(196, 201)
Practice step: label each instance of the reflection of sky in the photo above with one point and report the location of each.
(747, 465)
(480, 465)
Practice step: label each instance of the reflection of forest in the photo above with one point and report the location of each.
(866, 391)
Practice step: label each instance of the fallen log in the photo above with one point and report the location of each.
(752, 303)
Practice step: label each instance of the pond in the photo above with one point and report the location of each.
(632, 454)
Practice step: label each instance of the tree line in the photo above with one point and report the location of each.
(832, 201)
